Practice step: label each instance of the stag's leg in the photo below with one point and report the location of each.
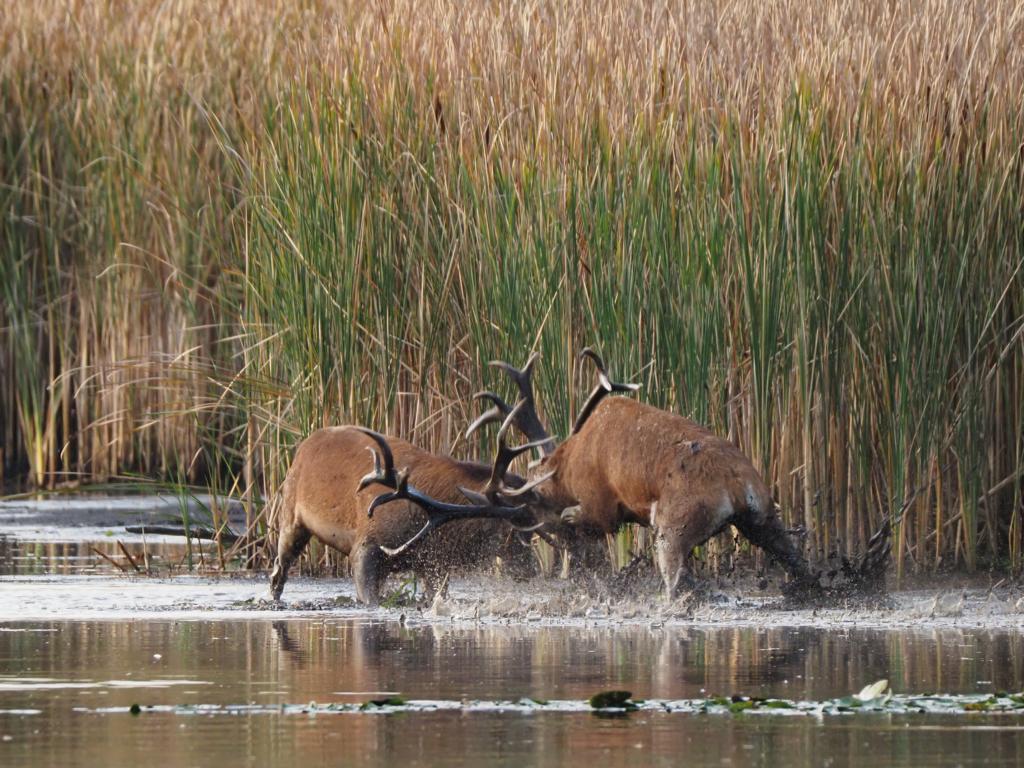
(290, 543)
(585, 527)
(764, 529)
(517, 557)
(434, 582)
(672, 552)
(369, 570)
(589, 523)
(681, 523)
(588, 558)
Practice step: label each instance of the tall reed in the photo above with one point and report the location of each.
(799, 223)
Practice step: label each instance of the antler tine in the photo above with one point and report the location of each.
(394, 551)
(527, 487)
(497, 412)
(385, 475)
(510, 418)
(604, 387)
(505, 455)
(523, 377)
(602, 370)
(596, 396)
(401, 491)
(527, 420)
(602, 373)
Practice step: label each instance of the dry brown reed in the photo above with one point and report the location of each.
(227, 224)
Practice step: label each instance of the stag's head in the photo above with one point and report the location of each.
(503, 497)
(545, 496)
(549, 497)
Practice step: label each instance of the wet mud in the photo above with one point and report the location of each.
(53, 569)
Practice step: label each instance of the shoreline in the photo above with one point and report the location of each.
(485, 602)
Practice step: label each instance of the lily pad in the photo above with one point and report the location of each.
(621, 703)
(777, 704)
(609, 699)
(387, 701)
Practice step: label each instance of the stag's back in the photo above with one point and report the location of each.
(641, 452)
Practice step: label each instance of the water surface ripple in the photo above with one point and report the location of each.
(67, 688)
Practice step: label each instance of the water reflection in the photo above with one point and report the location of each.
(552, 662)
(345, 660)
(19, 557)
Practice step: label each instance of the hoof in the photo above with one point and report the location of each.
(692, 592)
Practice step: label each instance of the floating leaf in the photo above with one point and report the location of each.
(388, 701)
(606, 699)
(619, 703)
(981, 706)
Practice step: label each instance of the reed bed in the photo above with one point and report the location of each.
(225, 225)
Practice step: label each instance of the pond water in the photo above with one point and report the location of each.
(64, 687)
(220, 679)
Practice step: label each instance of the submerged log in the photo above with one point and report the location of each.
(225, 534)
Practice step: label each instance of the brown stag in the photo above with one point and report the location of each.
(326, 495)
(628, 462)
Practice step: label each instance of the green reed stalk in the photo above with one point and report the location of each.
(219, 237)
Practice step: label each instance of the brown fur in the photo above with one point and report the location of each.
(321, 498)
(633, 463)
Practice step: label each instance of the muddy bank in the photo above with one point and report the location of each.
(88, 587)
(488, 601)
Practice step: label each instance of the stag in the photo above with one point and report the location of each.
(628, 462)
(326, 494)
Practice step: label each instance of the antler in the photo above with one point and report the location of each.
(385, 475)
(605, 386)
(526, 420)
(498, 411)
(503, 459)
(487, 505)
(440, 512)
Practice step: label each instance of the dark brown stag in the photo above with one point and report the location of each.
(628, 462)
(328, 491)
